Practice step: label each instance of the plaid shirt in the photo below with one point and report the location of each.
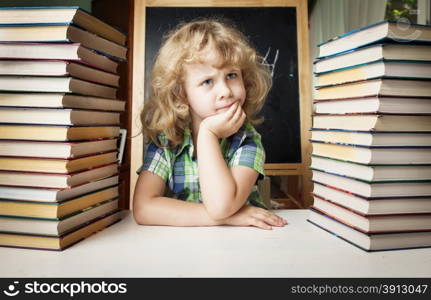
(179, 170)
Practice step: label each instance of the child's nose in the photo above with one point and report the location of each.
(224, 90)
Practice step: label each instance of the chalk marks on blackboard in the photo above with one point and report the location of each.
(266, 62)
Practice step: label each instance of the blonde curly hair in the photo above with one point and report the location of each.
(167, 110)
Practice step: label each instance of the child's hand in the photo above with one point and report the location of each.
(254, 216)
(226, 123)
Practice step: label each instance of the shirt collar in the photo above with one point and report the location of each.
(187, 142)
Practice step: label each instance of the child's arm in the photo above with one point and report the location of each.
(150, 208)
(224, 190)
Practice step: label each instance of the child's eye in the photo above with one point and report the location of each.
(232, 75)
(206, 82)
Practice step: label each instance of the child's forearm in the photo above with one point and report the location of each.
(172, 212)
(217, 184)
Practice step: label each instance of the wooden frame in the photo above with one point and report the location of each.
(136, 145)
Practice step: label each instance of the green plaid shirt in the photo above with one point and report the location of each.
(179, 170)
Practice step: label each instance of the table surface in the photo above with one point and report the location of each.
(299, 249)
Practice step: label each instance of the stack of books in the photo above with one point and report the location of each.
(371, 137)
(59, 126)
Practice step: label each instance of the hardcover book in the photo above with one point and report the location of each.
(371, 138)
(61, 14)
(376, 33)
(376, 87)
(56, 210)
(51, 116)
(45, 195)
(30, 67)
(55, 100)
(56, 227)
(56, 180)
(374, 155)
(57, 32)
(373, 205)
(374, 105)
(389, 189)
(374, 223)
(376, 69)
(363, 55)
(370, 242)
(373, 122)
(57, 51)
(371, 172)
(56, 149)
(58, 243)
(57, 133)
(54, 165)
(56, 85)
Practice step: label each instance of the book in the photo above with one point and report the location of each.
(374, 223)
(371, 172)
(57, 133)
(61, 14)
(376, 33)
(65, 150)
(377, 69)
(56, 100)
(32, 67)
(56, 180)
(370, 241)
(35, 194)
(56, 84)
(52, 116)
(59, 242)
(374, 155)
(371, 138)
(373, 205)
(389, 189)
(56, 227)
(367, 54)
(58, 51)
(376, 87)
(373, 122)
(56, 210)
(61, 33)
(54, 165)
(376, 105)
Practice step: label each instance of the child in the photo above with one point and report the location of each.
(207, 85)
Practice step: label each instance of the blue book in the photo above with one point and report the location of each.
(375, 52)
(52, 15)
(376, 33)
(397, 69)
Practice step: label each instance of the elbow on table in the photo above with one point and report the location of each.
(139, 218)
(220, 211)
(141, 215)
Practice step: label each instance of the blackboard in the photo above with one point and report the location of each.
(273, 32)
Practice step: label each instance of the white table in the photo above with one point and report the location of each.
(297, 250)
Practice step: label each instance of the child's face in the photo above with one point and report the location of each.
(212, 90)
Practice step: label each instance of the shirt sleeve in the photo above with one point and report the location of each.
(155, 161)
(250, 153)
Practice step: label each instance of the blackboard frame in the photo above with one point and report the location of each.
(304, 80)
